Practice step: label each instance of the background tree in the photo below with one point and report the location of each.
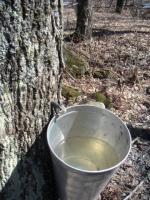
(84, 19)
(119, 5)
(31, 66)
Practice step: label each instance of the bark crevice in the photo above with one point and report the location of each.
(31, 71)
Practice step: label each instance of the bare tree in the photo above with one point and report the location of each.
(31, 67)
(119, 5)
(84, 19)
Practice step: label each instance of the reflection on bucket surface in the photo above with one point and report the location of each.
(87, 153)
(87, 145)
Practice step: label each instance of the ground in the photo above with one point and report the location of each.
(119, 68)
(132, 179)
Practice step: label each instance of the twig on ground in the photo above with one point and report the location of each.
(136, 140)
(135, 189)
(70, 76)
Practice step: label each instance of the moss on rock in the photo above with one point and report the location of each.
(101, 73)
(70, 92)
(98, 96)
(75, 65)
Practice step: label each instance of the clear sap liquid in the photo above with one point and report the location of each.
(87, 153)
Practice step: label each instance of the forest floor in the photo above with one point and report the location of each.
(118, 59)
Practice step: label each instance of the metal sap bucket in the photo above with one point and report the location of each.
(86, 121)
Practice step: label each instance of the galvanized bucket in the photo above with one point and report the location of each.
(86, 121)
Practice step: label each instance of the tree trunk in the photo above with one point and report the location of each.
(119, 6)
(31, 67)
(84, 19)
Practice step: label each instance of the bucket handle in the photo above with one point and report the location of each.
(56, 108)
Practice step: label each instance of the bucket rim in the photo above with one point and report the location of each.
(81, 171)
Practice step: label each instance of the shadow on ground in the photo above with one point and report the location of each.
(107, 32)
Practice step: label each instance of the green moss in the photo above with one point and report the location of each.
(75, 65)
(6, 89)
(70, 92)
(98, 96)
(108, 103)
(102, 73)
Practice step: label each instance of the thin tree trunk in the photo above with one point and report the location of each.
(31, 66)
(84, 19)
(119, 6)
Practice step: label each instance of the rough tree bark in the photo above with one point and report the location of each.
(84, 19)
(31, 66)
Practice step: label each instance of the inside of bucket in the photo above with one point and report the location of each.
(89, 140)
